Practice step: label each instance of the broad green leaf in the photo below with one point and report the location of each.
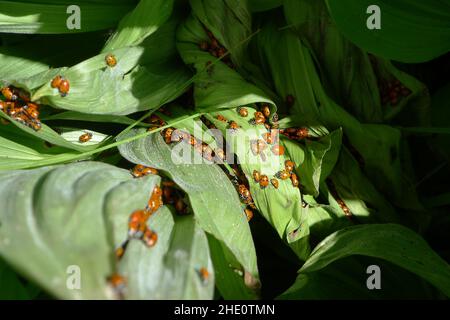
(430, 21)
(170, 270)
(293, 70)
(281, 207)
(140, 23)
(229, 20)
(352, 83)
(52, 17)
(219, 86)
(14, 155)
(229, 273)
(316, 161)
(391, 242)
(47, 134)
(212, 196)
(79, 116)
(56, 217)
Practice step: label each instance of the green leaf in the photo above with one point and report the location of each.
(394, 243)
(430, 21)
(229, 273)
(316, 161)
(12, 288)
(51, 16)
(78, 215)
(170, 270)
(213, 198)
(140, 23)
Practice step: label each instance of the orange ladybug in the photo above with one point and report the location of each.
(150, 237)
(32, 110)
(256, 175)
(136, 223)
(244, 194)
(180, 206)
(85, 137)
(289, 165)
(155, 201)
(9, 94)
(204, 275)
(64, 87)
(56, 82)
(263, 181)
(243, 112)
(274, 182)
(111, 60)
(221, 118)
(283, 175)
(204, 46)
(248, 214)
(278, 150)
(233, 126)
(265, 110)
(294, 180)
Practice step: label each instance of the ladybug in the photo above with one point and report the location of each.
(261, 144)
(302, 133)
(259, 118)
(243, 112)
(220, 154)
(206, 152)
(56, 82)
(294, 180)
(136, 224)
(233, 126)
(168, 195)
(263, 181)
(167, 134)
(117, 282)
(283, 175)
(32, 110)
(120, 251)
(177, 135)
(204, 45)
(290, 100)
(248, 214)
(9, 94)
(64, 87)
(214, 43)
(278, 150)
(244, 194)
(193, 141)
(289, 165)
(268, 137)
(274, 182)
(111, 60)
(256, 175)
(155, 201)
(180, 206)
(150, 237)
(265, 110)
(204, 275)
(221, 118)
(85, 137)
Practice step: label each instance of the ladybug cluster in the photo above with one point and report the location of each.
(392, 91)
(62, 84)
(241, 184)
(286, 173)
(17, 105)
(296, 133)
(216, 49)
(171, 135)
(174, 196)
(335, 194)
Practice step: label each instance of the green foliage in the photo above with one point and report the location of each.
(369, 138)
